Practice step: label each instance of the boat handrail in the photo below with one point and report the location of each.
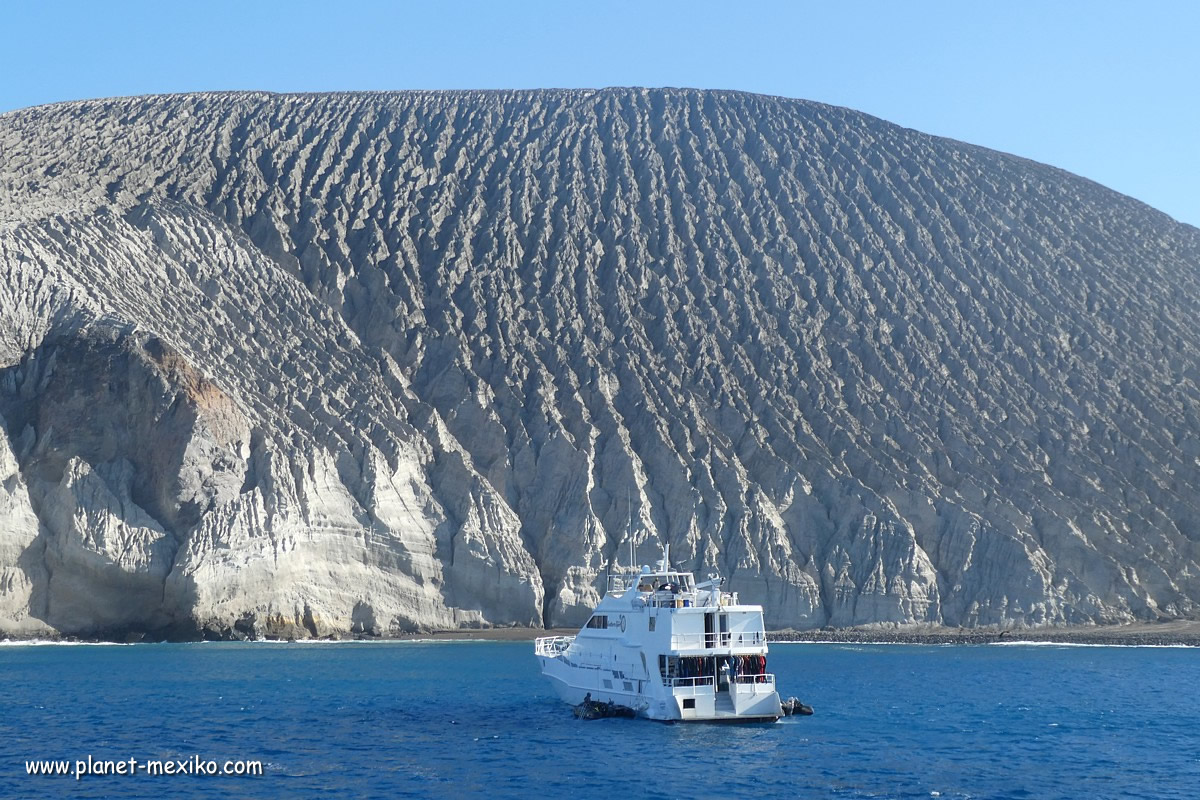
(762, 683)
(619, 583)
(759, 678)
(665, 599)
(696, 683)
(679, 596)
(552, 646)
(710, 641)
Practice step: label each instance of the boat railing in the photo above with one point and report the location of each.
(689, 599)
(662, 599)
(761, 683)
(711, 641)
(552, 646)
(694, 685)
(618, 584)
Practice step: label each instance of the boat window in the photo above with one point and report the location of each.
(598, 621)
(689, 702)
(652, 621)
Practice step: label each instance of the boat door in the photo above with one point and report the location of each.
(716, 630)
(722, 665)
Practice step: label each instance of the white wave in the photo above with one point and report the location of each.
(59, 643)
(1179, 646)
(880, 644)
(1002, 643)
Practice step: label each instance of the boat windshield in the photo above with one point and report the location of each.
(666, 582)
(676, 582)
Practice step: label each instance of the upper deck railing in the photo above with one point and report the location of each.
(755, 684)
(551, 646)
(701, 684)
(761, 683)
(712, 641)
(665, 598)
(669, 588)
(621, 582)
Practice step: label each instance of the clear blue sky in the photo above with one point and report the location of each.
(1108, 90)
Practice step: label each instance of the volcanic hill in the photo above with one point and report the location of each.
(299, 365)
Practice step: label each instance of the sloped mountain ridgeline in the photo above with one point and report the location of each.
(317, 364)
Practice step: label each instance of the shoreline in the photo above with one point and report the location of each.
(1162, 634)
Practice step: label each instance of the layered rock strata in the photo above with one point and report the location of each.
(371, 363)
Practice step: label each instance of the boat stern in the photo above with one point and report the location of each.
(756, 699)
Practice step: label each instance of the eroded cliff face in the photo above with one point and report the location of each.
(302, 365)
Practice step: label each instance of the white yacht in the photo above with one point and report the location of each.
(668, 649)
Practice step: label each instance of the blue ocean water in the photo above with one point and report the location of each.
(476, 720)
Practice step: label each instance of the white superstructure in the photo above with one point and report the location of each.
(669, 649)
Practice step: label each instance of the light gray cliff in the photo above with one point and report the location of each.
(314, 364)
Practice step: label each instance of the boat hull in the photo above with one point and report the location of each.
(652, 700)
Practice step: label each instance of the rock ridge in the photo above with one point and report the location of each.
(372, 363)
